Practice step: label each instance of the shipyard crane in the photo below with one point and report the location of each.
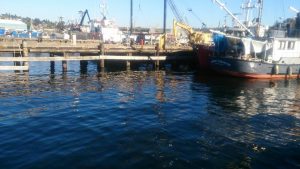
(195, 37)
(162, 38)
(196, 16)
(85, 13)
(176, 11)
(78, 27)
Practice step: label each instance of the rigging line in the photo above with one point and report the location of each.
(140, 6)
(141, 14)
(283, 8)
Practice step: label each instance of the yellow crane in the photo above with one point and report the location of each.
(195, 37)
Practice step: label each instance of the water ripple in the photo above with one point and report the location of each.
(147, 120)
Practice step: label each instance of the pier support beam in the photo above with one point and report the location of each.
(157, 65)
(128, 66)
(83, 67)
(52, 65)
(157, 49)
(16, 63)
(64, 63)
(101, 62)
(25, 53)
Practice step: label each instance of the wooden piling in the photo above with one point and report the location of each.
(16, 63)
(83, 66)
(52, 65)
(128, 66)
(64, 63)
(25, 53)
(102, 63)
(157, 64)
(157, 49)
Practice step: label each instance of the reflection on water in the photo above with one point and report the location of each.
(147, 120)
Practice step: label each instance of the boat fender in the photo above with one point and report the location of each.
(289, 71)
(275, 70)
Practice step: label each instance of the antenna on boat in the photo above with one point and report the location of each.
(247, 7)
(223, 6)
(260, 4)
(103, 8)
(260, 10)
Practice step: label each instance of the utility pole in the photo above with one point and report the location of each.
(165, 16)
(165, 25)
(131, 16)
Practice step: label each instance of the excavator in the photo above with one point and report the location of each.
(195, 37)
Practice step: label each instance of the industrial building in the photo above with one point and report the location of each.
(12, 25)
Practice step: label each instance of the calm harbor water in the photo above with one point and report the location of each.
(144, 120)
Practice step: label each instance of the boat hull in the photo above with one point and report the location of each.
(253, 69)
(204, 52)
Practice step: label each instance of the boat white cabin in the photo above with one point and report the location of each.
(286, 50)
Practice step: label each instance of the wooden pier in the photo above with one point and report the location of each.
(85, 50)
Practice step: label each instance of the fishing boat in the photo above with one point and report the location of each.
(248, 58)
(253, 56)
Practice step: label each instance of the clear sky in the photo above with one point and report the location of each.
(147, 13)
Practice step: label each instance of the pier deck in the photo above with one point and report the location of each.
(85, 50)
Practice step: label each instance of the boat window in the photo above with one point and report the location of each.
(282, 45)
(291, 45)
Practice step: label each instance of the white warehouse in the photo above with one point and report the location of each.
(13, 25)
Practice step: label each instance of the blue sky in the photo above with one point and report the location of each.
(147, 13)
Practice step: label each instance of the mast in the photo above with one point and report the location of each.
(103, 8)
(233, 16)
(247, 7)
(260, 11)
(248, 11)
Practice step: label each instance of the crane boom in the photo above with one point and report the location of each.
(294, 9)
(175, 11)
(86, 12)
(233, 16)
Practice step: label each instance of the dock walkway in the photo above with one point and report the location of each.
(88, 50)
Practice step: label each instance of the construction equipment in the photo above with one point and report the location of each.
(78, 27)
(85, 13)
(162, 41)
(195, 37)
(175, 11)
